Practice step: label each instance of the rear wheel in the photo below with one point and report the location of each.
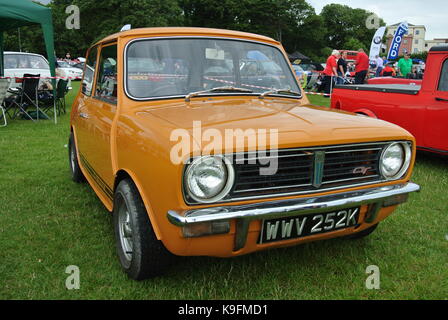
(77, 174)
(141, 254)
(363, 233)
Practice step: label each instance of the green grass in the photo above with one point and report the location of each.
(47, 222)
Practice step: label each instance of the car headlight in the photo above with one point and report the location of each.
(209, 178)
(395, 160)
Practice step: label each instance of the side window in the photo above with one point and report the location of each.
(89, 72)
(106, 84)
(443, 83)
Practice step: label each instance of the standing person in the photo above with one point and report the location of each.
(342, 68)
(379, 66)
(405, 65)
(330, 71)
(362, 67)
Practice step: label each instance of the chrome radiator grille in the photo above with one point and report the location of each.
(308, 170)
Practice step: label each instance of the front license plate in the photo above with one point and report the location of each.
(307, 225)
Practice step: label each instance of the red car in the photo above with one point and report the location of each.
(420, 109)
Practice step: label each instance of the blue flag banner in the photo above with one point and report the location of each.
(396, 41)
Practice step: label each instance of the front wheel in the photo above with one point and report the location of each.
(141, 254)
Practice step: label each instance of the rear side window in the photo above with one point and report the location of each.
(89, 72)
(443, 83)
(106, 83)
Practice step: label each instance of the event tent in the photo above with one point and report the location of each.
(298, 56)
(17, 13)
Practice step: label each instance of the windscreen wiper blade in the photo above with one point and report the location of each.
(279, 91)
(217, 89)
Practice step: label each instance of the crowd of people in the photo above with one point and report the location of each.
(338, 70)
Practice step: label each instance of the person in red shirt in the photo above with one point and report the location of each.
(362, 67)
(388, 71)
(330, 71)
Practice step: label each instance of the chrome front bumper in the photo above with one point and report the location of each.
(377, 198)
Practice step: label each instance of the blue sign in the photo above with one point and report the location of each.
(396, 42)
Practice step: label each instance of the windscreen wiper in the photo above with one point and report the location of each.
(279, 91)
(217, 89)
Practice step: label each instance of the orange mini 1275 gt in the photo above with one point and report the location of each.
(201, 142)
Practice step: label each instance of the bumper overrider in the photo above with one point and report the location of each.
(375, 198)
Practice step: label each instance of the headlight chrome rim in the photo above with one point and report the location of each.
(407, 152)
(227, 186)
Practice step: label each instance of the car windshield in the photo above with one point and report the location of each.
(25, 61)
(178, 67)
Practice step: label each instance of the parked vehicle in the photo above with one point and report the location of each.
(140, 134)
(80, 65)
(313, 73)
(19, 63)
(69, 71)
(420, 108)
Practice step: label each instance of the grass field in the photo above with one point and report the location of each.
(47, 223)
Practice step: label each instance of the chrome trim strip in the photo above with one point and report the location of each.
(382, 143)
(285, 208)
(350, 179)
(125, 51)
(273, 188)
(371, 149)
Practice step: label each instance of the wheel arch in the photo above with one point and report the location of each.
(366, 112)
(123, 174)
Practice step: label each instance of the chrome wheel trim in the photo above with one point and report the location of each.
(125, 231)
(72, 158)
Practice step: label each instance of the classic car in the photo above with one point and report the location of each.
(69, 71)
(419, 106)
(195, 158)
(19, 63)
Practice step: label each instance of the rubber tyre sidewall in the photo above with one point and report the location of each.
(149, 257)
(76, 173)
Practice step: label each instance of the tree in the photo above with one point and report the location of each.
(105, 17)
(293, 22)
(347, 26)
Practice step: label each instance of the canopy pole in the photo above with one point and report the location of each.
(2, 69)
(49, 44)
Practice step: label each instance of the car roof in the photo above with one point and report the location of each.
(182, 31)
(24, 53)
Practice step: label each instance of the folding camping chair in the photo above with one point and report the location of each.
(4, 85)
(26, 96)
(48, 102)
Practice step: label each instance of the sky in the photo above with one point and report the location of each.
(431, 13)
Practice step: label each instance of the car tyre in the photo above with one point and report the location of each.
(77, 174)
(141, 254)
(363, 233)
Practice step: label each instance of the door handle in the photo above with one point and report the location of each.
(83, 115)
(441, 99)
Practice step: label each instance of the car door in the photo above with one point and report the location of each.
(102, 110)
(84, 122)
(436, 124)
